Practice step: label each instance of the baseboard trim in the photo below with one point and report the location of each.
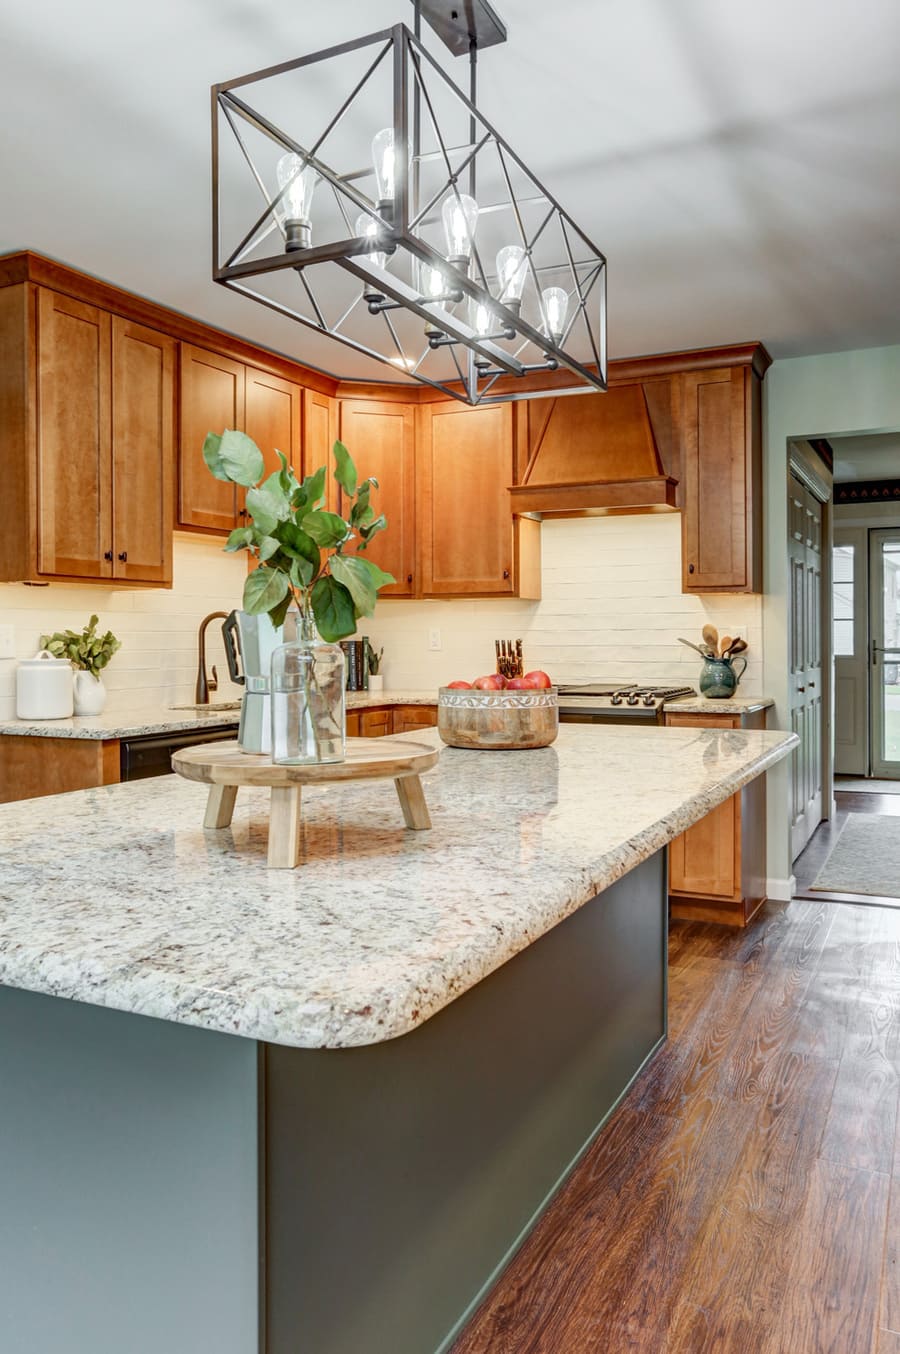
(781, 890)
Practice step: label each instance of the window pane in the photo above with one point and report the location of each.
(843, 639)
(842, 599)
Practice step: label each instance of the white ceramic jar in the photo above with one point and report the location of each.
(44, 687)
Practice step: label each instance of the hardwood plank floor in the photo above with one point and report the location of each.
(745, 1198)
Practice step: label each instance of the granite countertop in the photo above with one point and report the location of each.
(118, 897)
(160, 719)
(699, 705)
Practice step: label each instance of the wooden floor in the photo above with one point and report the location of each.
(745, 1198)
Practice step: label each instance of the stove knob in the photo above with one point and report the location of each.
(615, 699)
(632, 699)
(649, 699)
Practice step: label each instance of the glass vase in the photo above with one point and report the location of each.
(307, 699)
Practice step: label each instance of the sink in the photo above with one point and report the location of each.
(210, 708)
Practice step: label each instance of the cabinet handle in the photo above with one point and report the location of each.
(801, 688)
(242, 512)
(409, 578)
(506, 573)
(690, 568)
(123, 556)
(107, 554)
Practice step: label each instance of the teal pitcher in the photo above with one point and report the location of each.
(718, 680)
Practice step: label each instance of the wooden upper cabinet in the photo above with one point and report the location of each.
(464, 469)
(722, 500)
(272, 417)
(143, 449)
(74, 479)
(320, 430)
(381, 439)
(212, 399)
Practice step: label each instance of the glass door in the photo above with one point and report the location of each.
(885, 652)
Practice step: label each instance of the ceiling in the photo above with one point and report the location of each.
(868, 456)
(740, 167)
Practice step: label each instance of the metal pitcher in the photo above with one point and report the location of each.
(249, 644)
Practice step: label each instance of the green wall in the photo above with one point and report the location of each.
(828, 395)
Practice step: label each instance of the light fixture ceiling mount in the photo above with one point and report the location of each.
(447, 258)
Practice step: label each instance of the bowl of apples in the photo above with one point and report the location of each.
(494, 712)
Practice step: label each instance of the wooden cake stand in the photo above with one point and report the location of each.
(224, 768)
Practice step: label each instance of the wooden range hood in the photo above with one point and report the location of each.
(595, 454)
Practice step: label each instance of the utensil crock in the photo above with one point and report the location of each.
(718, 679)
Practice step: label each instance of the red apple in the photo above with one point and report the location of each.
(537, 678)
(493, 682)
(459, 686)
(519, 684)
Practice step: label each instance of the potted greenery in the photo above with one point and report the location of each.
(311, 559)
(373, 662)
(89, 653)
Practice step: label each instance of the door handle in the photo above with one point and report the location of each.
(801, 688)
(880, 648)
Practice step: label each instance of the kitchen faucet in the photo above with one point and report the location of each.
(204, 684)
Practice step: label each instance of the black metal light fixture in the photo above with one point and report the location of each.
(455, 290)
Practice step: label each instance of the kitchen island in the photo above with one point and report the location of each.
(430, 1029)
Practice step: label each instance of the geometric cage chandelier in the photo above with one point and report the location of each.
(401, 223)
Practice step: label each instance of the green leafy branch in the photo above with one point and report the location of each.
(87, 650)
(303, 550)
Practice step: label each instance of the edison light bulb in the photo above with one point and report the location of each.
(460, 217)
(368, 228)
(555, 305)
(299, 180)
(511, 273)
(483, 321)
(383, 160)
(432, 283)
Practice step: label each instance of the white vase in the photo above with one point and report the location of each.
(376, 681)
(90, 693)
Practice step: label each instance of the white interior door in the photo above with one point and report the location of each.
(884, 621)
(849, 594)
(805, 597)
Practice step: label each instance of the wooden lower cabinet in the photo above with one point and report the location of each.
(31, 767)
(377, 721)
(717, 869)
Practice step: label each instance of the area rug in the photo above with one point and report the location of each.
(865, 858)
(869, 787)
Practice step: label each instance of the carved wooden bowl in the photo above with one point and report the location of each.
(498, 719)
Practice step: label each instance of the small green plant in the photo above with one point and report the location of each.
(291, 532)
(373, 659)
(88, 651)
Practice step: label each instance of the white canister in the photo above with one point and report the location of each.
(44, 688)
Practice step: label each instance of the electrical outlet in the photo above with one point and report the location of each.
(8, 641)
(434, 639)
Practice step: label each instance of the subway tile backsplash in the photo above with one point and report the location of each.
(612, 607)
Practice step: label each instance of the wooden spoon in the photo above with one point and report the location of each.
(725, 644)
(711, 637)
(702, 649)
(737, 646)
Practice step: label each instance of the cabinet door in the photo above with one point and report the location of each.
(212, 399)
(143, 451)
(722, 474)
(272, 412)
(73, 438)
(320, 430)
(705, 860)
(380, 438)
(272, 415)
(407, 718)
(375, 723)
(464, 467)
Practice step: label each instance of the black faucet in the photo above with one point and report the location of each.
(204, 684)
